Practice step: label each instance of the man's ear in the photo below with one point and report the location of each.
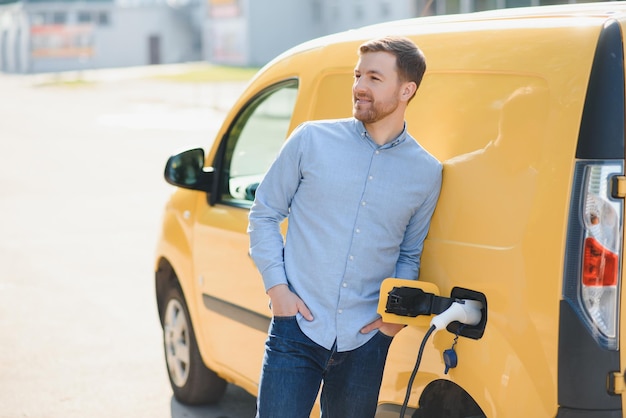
(408, 90)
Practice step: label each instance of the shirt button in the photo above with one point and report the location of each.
(340, 311)
(358, 231)
(344, 284)
(370, 178)
(363, 203)
(351, 257)
(377, 152)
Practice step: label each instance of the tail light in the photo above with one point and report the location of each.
(592, 275)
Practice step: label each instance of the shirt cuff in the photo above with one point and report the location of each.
(273, 277)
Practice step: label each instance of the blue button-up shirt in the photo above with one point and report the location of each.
(358, 213)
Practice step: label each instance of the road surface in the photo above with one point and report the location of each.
(81, 196)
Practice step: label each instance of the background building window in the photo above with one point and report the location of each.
(103, 19)
(452, 6)
(480, 5)
(59, 18)
(518, 3)
(84, 17)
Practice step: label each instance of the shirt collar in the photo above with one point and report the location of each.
(360, 128)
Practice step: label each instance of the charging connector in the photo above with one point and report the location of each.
(414, 302)
(465, 311)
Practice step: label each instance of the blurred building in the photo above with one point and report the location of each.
(59, 35)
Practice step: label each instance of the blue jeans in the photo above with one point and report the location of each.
(294, 367)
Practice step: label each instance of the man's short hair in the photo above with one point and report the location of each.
(410, 60)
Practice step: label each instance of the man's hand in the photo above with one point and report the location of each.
(385, 327)
(287, 303)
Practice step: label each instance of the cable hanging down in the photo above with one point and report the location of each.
(415, 369)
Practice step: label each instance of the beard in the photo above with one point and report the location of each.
(372, 111)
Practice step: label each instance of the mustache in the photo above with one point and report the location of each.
(362, 97)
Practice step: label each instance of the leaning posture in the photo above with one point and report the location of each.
(359, 194)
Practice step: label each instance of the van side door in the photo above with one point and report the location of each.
(233, 306)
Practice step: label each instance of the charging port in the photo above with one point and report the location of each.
(474, 332)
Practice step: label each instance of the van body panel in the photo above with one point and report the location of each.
(515, 175)
(501, 105)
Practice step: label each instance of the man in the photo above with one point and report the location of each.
(359, 194)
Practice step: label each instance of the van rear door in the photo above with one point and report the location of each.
(590, 351)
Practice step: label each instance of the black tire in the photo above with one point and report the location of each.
(192, 382)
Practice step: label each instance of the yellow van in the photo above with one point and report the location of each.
(525, 108)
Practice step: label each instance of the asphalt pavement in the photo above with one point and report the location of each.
(81, 198)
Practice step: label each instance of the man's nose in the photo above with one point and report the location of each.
(359, 85)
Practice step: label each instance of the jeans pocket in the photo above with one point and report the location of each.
(384, 336)
(284, 326)
(283, 329)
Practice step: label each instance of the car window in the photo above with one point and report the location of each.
(254, 139)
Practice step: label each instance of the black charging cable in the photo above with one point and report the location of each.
(415, 369)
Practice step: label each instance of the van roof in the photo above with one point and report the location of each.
(558, 15)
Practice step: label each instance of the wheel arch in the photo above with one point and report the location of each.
(444, 398)
(173, 265)
(164, 279)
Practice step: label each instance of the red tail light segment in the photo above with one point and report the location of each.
(600, 266)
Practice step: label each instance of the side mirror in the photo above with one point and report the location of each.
(187, 170)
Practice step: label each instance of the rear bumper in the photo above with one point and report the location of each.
(579, 413)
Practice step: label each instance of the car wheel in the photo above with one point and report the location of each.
(192, 382)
